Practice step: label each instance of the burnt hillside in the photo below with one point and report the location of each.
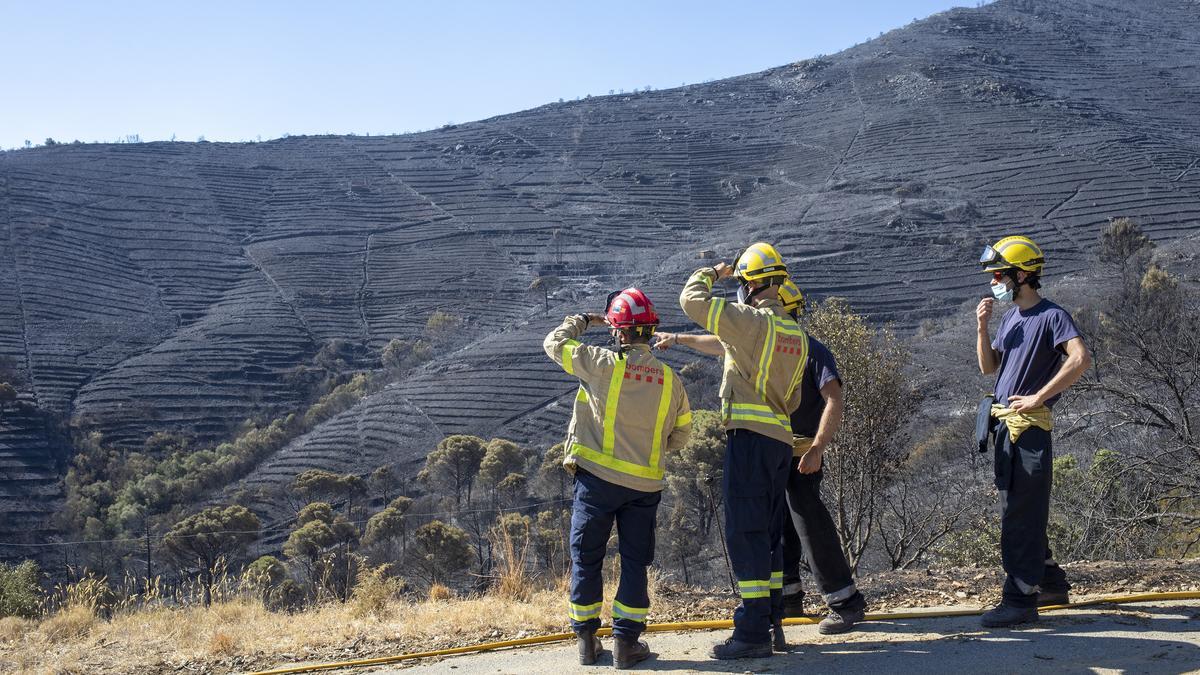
(171, 286)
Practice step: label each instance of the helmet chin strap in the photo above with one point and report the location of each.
(615, 340)
(750, 295)
(1017, 283)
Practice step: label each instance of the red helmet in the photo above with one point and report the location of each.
(630, 308)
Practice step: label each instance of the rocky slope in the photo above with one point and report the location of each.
(173, 285)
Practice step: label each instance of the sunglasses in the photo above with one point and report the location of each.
(998, 275)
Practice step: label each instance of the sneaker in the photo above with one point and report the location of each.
(736, 649)
(778, 639)
(1048, 598)
(793, 605)
(840, 620)
(1004, 616)
(589, 647)
(628, 653)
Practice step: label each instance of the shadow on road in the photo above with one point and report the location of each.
(1136, 638)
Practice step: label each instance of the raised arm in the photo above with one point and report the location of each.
(989, 359)
(715, 315)
(563, 347)
(697, 300)
(703, 343)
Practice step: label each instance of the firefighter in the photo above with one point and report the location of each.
(630, 412)
(812, 532)
(1037, 354)
(764, 356)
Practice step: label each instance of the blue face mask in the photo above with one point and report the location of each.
(1002, 292)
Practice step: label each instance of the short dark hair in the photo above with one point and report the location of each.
(1032, 279)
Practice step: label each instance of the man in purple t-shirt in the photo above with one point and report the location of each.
(1039, 354)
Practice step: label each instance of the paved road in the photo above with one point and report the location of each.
(1159, 637)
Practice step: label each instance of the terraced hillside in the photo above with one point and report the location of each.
(172, 286)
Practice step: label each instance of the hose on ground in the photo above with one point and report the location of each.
(708, 625)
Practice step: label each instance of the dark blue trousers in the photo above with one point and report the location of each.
(755, 486)
(1024, 474)
(811, 535)
(597, 504)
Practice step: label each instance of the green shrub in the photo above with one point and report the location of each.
(441, 325)
(107, 484)
(20, 590)
(400, 355)
(976, 545)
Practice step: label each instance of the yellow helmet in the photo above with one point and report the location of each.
(759, 261)
(791, 297)
(1010, 252)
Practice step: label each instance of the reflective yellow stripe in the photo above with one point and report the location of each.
(776, 580)
(788, 327)
(683, 420)
(751, 412)
(610, 407)
(581, 396)
(623, 611)
(664, 407)
(584, 612)
(568, 353)
(798, 376)
(747, 407)
(714, 315)
(755, 588)
(764, 361)
(609, 462)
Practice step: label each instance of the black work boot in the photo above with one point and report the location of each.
(1048, 598)
(778, 639)
(793, 605)
(736, 649)
(1004, 616)
(589, 646)
(840, 620)
(628, 653)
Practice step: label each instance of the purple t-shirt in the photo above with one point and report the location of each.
(1031, 343)
(820, 369)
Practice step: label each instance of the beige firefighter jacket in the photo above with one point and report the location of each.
(765, 355)
(630, 411)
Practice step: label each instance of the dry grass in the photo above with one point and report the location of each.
(14, 628)
(68, 623)
(438, 593)
(513, 580)
(222, 644)
(375, 594)
(233, 634)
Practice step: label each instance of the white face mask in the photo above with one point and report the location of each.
(743, 294)
(1002, 292)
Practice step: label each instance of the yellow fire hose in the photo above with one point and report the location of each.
(708, 625)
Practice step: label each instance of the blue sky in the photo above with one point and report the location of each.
(99, 71)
